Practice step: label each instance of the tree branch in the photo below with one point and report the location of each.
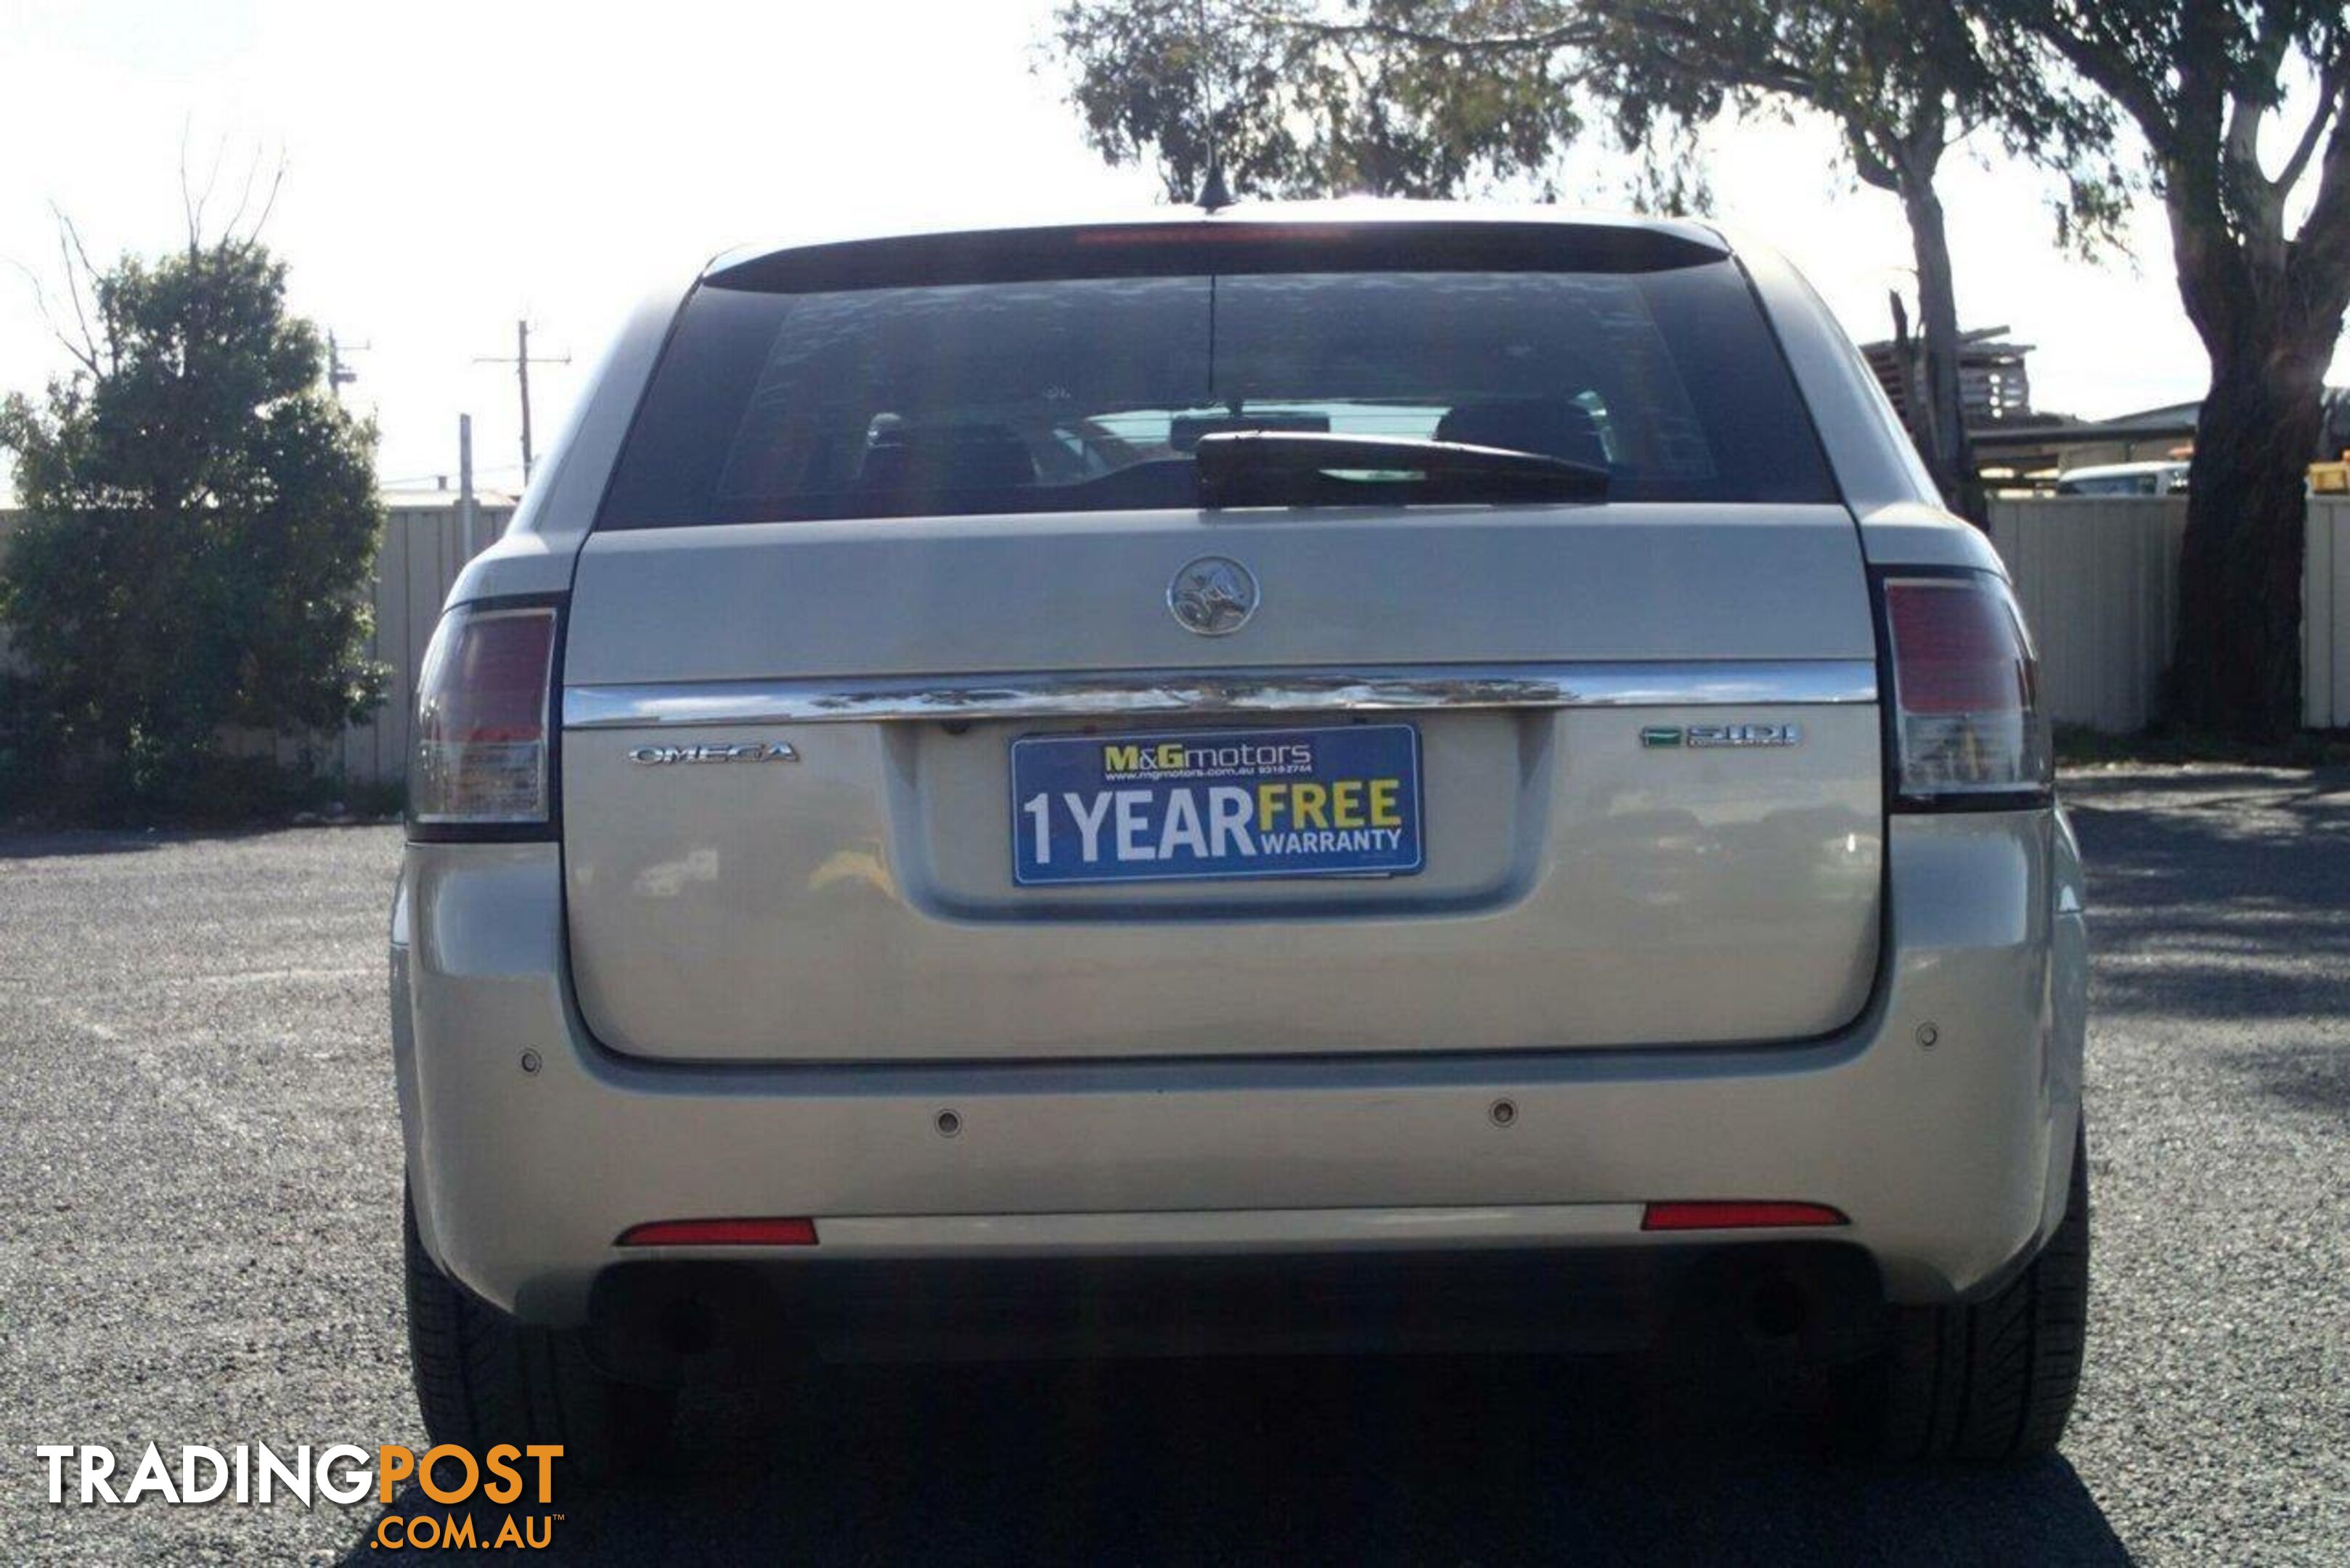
(190, 211)
(1542, 41)
(2257, 204)
(2332, 104)
(1766, 72)
(2119, 82)
(76, 258)
(245, 193)
(49, 315)
(269, 202)
(1872, 165)
(1762, 74)
(2323, 242)
(212, 183)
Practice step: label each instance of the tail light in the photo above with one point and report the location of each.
(1968, 724)
(479, 760)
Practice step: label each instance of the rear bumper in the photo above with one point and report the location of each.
(1950, 1159)
(1718, 1307)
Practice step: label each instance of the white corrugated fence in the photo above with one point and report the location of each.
(2325, 616)
(2098, 578)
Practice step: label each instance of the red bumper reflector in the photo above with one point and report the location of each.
(721, 1233)
(1737, 1214)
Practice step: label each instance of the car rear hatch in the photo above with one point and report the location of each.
(903, 628)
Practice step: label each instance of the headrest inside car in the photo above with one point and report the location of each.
(946, 457)
(1555, 427)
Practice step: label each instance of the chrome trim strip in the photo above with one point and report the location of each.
(1371, 689)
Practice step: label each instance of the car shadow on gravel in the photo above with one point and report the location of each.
(1288, 1461)
(2219, 895)
(50, 844)
(2227, 905)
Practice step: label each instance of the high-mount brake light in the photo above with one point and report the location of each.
(1967, 723)
(1198, 233)
(482, 699)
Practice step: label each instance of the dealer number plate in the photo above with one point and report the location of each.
(1340, 800)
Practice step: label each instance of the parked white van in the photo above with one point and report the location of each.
(2163, 478)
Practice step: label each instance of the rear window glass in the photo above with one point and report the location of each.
(1090, 393)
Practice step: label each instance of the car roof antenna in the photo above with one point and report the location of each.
(1213, 193)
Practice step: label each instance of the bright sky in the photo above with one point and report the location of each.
(451, 167)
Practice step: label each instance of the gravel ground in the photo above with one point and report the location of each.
(199, 1179)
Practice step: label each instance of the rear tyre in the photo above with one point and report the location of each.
(483, 1378)
(1995, 1380)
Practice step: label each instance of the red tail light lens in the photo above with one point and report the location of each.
(1967, 714)
(483, 698)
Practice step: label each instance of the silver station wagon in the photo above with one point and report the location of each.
(1306, 778)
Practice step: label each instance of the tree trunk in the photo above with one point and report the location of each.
(1942, 431)
(2237, 668)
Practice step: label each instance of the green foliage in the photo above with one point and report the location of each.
(1438, 97)
(2203, 83)
(1902, 81)
(1308, 100)
(23, 736)
(201, 522)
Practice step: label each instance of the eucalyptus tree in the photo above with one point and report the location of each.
(1433, 98)
(2245, 113)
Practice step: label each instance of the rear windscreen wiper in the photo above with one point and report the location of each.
(1293, 468)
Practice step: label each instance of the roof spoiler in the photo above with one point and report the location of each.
(1199, 245)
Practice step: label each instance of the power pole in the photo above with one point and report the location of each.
(522, 362)
(467, 513)
(340, 374)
